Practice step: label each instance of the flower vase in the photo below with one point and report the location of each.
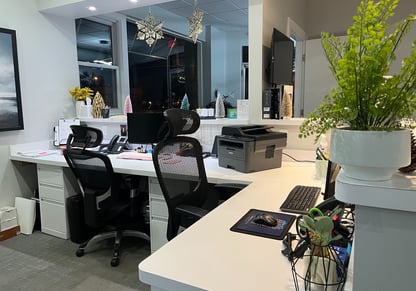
(78, 105)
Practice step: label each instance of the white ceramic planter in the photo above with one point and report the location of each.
(78, 105)
(370, 155)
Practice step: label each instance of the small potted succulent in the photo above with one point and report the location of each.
(322, 265)
(367, 103)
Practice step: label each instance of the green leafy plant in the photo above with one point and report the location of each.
(365, 98)
(80, 94)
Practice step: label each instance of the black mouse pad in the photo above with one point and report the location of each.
(247, 225)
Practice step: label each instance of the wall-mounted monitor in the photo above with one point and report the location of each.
(281, 63)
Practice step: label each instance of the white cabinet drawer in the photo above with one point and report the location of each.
(50, 175)
(53, 219)
(158, 207)
(157, 233)
(154, 188)
(52, 192)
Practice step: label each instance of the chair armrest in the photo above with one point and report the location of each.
(191, 211)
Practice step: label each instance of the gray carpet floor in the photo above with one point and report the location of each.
(43, 262)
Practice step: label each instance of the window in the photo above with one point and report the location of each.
(155, 77)
(161, 74)
(95, 58)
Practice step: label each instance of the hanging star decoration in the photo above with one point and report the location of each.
(149, 29)
(195, 24)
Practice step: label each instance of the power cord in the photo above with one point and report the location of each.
(299, 161)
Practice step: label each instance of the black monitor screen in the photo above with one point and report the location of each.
(146, 127)
(331, 175)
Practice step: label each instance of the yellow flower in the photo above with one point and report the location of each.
(80, 94)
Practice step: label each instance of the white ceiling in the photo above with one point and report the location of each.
(227, 14)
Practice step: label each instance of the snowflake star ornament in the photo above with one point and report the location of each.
(149, 29)
(195, 24)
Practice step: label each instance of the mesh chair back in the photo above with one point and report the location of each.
(181, 173)
(84, 137)
(99, 185)
(181, 121)
(180, 167)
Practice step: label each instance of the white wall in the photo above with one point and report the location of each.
(274, 14)
(233, 53)
(318, 78)
(48, 69)
(218, 64)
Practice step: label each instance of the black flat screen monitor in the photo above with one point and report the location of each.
(331, 175)
(146, 127)
(281, 67)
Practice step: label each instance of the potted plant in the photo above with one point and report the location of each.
(366, 99)
(321, 264)
(80, 95)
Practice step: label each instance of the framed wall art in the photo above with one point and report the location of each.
(11, 117)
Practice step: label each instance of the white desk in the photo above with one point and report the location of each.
(56, 183)
(208, 256)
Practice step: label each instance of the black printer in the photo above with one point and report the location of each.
(250, 148)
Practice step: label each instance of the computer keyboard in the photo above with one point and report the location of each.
(300, 199)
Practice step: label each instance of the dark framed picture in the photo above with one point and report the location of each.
(11, 117)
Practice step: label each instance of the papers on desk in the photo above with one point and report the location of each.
(38, 153)
(135, 156)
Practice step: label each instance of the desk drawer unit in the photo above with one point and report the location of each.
(55, 185)
(158, 215)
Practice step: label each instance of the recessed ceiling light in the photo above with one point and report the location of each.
(92, 8)
(134, 1)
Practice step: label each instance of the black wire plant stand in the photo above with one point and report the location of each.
(320, 268)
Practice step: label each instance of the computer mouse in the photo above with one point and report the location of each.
(265, 219)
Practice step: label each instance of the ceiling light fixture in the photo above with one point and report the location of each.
(149, 29)
(134, 1)
(92, 8)
(195, 23)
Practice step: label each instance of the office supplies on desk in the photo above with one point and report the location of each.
(38, 153)
(248, 224)
(135, 156)
(300, 199)
(116, 145)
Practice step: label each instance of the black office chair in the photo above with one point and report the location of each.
(181, 173)
(107, 205)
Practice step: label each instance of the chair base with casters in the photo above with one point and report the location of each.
(117, 235)
(128, 224)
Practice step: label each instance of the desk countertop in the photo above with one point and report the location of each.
(208, 256)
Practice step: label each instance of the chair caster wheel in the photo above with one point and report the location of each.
(80, 252)
(115, 262)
